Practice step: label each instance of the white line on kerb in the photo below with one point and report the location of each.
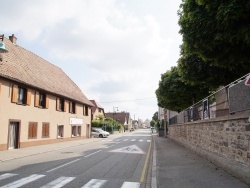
(62, 165)
(92, 153)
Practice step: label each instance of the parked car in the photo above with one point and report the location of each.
(132, 129)
(97, 132)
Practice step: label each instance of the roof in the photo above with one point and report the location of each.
(95, 106)
(26, 67)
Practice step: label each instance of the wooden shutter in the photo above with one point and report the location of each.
(47, 102)
(70, 107)
(34, 130)
(65, 106)
(36, 98)
(75, 108)
(44, 130)
(14, 93)
(57, 104)
(28, 99)
(47, 130)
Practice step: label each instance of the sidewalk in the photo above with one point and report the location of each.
(178, 167)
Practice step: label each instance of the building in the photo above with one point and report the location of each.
(97, 111)
(39, 103)
(121, 117)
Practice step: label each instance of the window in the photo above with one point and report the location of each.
(60, 131)
(45, 131)
(99, 110)
(20, 95)
(32, 130)
(76, 130)
(41, 100)
(85, 110)
(60, 105)
(72, 107)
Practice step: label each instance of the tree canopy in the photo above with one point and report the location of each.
(217, 32)
(174, 94)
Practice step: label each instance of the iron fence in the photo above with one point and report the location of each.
(227, 100)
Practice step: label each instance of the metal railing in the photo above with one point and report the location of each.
(230, 99)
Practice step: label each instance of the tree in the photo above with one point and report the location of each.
(174, 94)
(218, 33)
(194, 70)
(155, 116)
(152, 123)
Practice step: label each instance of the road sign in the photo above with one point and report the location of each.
(129, 149)
(247, 83)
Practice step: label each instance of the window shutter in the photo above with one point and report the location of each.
(14, 93)
(65, 106)
(34, 130)
(0, 87)
(36, 99)
(70, 107)
(47, 102)
(75, 108)
(28, 97)
(30, 130)
(57, 104)
(44, 130)
(47, 129)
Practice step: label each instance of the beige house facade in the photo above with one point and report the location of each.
(97, 110)
(39, 103)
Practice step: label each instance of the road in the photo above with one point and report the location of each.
(117, 161)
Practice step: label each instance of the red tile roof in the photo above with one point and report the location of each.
(26, 67)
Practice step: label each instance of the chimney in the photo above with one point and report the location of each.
(13, 39)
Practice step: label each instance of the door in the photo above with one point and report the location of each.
(13, 141)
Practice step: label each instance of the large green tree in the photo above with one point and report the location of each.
(218, 32)
(174, 94)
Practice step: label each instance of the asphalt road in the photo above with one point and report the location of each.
(117, 161)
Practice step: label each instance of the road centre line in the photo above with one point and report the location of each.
(62, 165)
(92, 153)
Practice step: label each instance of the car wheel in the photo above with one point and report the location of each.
(100, 136)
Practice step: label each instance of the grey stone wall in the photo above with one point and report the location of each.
(226, 137)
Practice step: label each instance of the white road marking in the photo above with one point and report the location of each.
(94, 183)
(117, 140)
(148, 140)
(133, 140)
(59, 182)
(129, 149)
(125, 140)
(62, 165)
(109, 146)
(130, 185)
(23, 181)
(140, 140)
(92, 153)
(7, 175)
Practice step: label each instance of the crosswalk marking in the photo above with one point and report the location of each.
(125, 140)
(59, 182)
(148, 140)
(133, 140)
(94, 183)
(130, 185)
(23, 181)
(117, 140)
(7, 175)
(140, 140)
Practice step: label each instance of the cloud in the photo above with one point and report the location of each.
(121, 53)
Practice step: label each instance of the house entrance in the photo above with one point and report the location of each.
(13, 141)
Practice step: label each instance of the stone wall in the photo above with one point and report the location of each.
(227, 137)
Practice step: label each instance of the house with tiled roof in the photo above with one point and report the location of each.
(97, 110)
(39, 103)
(121, 117)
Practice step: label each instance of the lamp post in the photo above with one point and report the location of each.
(115, 109)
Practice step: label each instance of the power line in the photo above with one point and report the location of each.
(129, 100)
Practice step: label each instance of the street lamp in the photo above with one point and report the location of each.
(115, 109)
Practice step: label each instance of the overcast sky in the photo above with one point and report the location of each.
(114, 50)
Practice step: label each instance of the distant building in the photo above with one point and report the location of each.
(39, 103)
(121, 117)
(97, 110)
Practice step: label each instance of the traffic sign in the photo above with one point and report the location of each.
(247, 83)
(129, 149)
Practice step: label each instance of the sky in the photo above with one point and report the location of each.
(114, 50)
